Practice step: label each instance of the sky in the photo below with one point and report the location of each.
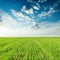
(29, 18)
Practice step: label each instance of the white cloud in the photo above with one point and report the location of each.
(44, 14)
(46, 29)
(17, 14)
(51, 11)
(27, 11)
(37, 25)
(53, 30)
(35, 7)
(42, 1)
(7, 20)
(20, 16)
(39, 0)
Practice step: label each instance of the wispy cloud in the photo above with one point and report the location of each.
(7, 19)
(30, 18)
(52, 31)
(41, 1)
(56, 3)
(46, 29)
(22, 18)
(49, 13)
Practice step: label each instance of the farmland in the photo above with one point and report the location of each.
(30, 48)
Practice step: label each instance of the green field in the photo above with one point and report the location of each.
(43, 48)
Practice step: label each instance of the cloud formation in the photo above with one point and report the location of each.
(44, 14)
(30, 18)
(35, 7)
(46, 28)
(27, 11)
(53, 30)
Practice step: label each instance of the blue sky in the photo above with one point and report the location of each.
(31, 15)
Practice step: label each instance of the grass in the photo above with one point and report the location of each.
(38, 48)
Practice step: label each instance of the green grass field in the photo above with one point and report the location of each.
(47, 48)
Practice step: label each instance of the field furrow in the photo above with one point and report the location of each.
(46, 48)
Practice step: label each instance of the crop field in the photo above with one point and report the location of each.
(30, 48)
